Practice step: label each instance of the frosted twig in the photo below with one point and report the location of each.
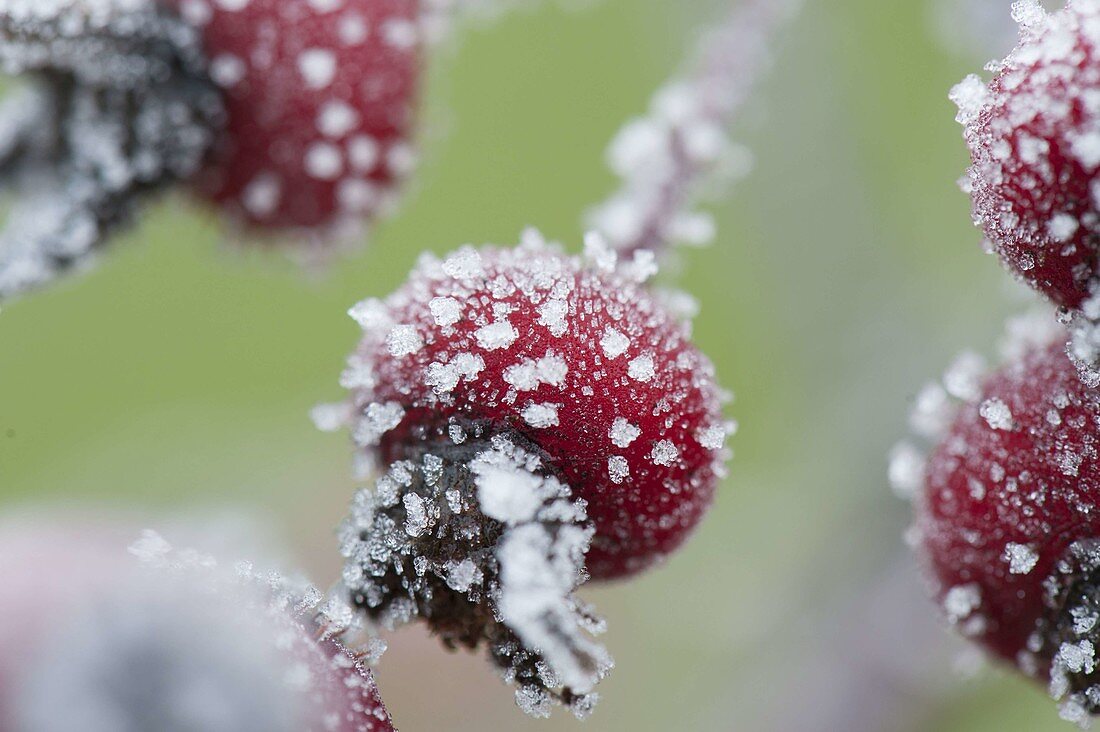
(665, 157)
(123, 109)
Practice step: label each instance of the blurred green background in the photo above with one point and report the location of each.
(178, 375)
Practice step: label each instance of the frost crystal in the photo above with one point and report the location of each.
(996, 414)
(1020, 557)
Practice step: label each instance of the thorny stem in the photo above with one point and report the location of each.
(731, 59)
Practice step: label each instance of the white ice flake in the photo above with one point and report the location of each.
(996, 414)
(493, 337)
(618, 469)
(623, 433)
(1021, 558)
(664, 453)
(614, 343)
(540, 415)
(404, 340)
(445, 310)
(642, 368)
(377, 420)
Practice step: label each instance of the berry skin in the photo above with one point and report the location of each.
(96, 642)
(319, 103)
(1034, 139)
(1008, 527)
(535, 411)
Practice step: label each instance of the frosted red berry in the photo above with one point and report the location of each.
(533, 409)
(93, 641)
(286, 114)
(319, 101)
(1007, 521)
(1034, 139)
(583, 363)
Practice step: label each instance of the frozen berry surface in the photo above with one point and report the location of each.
(1034, 139)
(319, 99)
(1013, 485)
(579, 360)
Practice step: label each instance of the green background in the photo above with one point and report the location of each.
(177, 376)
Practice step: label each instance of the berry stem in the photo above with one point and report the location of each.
(665, 157)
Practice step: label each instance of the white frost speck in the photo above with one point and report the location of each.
(494, 336)
(614, 343)
(962, 600)
(318, 67)
(618, 469)
(445, 310)
(996, 414)
(664, 453)
(622, 433)
(1021, 558)
(552, 314)
(642, 368)
(404, 340)
(540, 416)
(377, 420)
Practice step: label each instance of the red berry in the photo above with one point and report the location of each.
(93, 641)
(319, 102)
(1034, 139)
(496, 381)
(1009, 526)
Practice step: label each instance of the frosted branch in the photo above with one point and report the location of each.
(123, 109)
(681, 146)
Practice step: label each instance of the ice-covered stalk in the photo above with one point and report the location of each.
(668, 158)
(121, 108)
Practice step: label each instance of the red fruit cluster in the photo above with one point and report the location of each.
(1034, 139)
(1007, 502)
(318, 99)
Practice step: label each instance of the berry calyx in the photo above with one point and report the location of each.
(1034, 139)
(94, 641)
(543, 419)
(1006, 522)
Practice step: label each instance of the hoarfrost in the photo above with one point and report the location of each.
(669, 157)
(1021, 558)
(521, 558)
(996, 414)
